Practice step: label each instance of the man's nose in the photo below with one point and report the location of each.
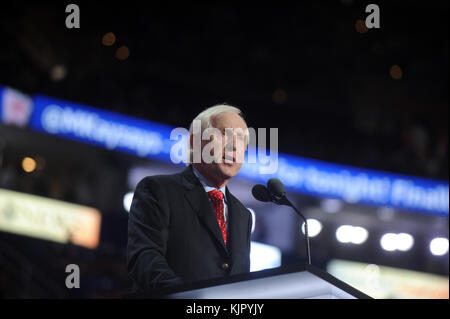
(230, 143)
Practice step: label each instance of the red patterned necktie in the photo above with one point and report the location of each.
(216, 197)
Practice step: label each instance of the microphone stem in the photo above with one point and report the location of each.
(308, 253)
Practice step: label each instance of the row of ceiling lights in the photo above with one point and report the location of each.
(348, 234)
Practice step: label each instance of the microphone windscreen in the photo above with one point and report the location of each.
(261, 193)
(276, 187)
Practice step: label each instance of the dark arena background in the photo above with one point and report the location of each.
(361, 114)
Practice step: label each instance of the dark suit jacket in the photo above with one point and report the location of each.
(174, 236)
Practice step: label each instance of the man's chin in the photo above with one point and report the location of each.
(229, 170)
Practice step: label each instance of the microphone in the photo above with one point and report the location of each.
(261, 193)
(276, 187)
(276, 193)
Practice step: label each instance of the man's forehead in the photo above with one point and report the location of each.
(228, 120)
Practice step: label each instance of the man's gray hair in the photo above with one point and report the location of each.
(205, 119)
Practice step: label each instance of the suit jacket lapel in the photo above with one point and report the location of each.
(197, 198)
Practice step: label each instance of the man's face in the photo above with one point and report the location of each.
(232, 140)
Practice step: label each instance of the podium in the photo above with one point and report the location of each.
(296, 282)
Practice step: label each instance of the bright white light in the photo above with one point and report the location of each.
(388, 242)
(439, 246)
(343, 233)
(360, 235)
(253, 219)
(330, 205)
(351, 234)
(127, 199)
(404, 242)
(264, 256)
(314, 227)
(392, 242)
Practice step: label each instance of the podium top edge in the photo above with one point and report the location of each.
(164, 292)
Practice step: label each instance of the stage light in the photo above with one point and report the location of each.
(439, 246)
(127, 199)
(28, 164)
(388, 242)
(109, 39)
(360, 26)
(404, 242)
(330, 205)
(393, 242)
(396, 72)
(351, 234)
(58, 72)
(122, 53)
(314, 227)
(343, 233)
(360, 235)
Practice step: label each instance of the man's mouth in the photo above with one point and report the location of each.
(228, 159)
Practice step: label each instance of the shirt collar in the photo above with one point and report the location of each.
(206, 185)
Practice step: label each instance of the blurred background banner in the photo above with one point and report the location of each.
(147, 139)
(387, 282)
(105, 129)
(361, 117)
(49, 219)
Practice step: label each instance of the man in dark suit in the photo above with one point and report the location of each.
(188, 227)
